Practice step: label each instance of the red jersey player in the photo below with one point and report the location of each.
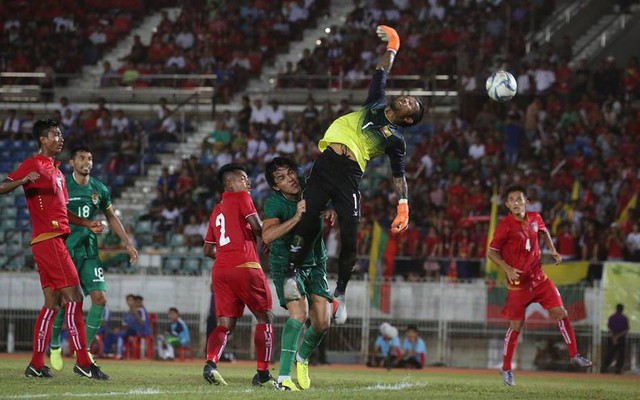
(515, 247)
(46, 193)
(238, 279)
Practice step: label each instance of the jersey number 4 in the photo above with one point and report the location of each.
(224, 239)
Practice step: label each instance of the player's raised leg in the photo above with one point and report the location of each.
(569, 337)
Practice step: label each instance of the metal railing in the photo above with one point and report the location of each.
(452, 339)
(25, 87)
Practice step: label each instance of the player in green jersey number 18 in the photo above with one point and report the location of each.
(87, 196)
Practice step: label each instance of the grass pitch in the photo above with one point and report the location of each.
(183, 380)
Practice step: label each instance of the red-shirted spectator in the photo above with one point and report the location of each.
(589, 242)
(615, 243)
(566, 242)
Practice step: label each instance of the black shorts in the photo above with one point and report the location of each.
(337, 178)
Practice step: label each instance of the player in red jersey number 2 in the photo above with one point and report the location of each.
(515, 248)
(238, 279)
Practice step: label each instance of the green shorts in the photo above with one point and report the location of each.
(311, 280)
(173, 341)
(91, 274)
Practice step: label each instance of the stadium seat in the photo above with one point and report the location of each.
(176, 240)
(6, 201)
(192, 266)
(172, 264)
(7, 224)
(144, 227)
(134, 347)
(184, 352)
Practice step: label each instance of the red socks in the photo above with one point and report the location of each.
(263, 340)
(216, 342)
(77, 332)
(568, 335)
(510, 343)
(41, 336)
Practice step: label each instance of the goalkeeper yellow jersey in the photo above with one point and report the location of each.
(367, 132)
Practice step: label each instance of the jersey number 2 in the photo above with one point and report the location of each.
(224, 239)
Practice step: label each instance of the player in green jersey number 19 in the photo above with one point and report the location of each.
(87, 196)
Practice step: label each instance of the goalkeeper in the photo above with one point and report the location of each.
(347, 145)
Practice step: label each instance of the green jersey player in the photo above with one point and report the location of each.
(282, 212)
(87, 196)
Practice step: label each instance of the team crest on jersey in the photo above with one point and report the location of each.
(59, 182)
(534, 226)
(386, 131)
(95, 198)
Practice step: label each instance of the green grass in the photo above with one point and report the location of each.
(180, 380)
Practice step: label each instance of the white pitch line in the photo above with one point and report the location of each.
(154, 391)
(132, 392)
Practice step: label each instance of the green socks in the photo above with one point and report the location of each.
(290, 335)
(94, 321)
(56, 328)
(311, 340)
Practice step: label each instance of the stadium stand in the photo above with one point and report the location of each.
(570, 129)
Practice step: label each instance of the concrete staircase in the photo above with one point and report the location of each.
(562, 15)
(91, 73)
(135, 199)
(337, 15)
(597, 37)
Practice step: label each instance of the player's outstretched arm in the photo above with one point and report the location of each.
(116, 225)
(401, 221)
(8, 185)
(389, 35)
(546, 236)
(94, 226)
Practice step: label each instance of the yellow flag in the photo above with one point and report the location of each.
(624, 215)
(493, 271)
(575, 191)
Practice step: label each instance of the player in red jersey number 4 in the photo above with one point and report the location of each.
(515, 248)
(238, 279)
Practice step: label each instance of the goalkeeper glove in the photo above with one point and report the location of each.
(388, 34)
(401, 221)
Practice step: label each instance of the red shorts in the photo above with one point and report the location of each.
(236, 287)
(545, 293)
(54, 264)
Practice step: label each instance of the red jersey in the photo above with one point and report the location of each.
(47, 197)
(566, 245)
(518, 244)
(231, 233)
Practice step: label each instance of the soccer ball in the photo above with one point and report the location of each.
(501, 86)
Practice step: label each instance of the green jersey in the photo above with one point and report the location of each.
(278, 206)
(85, 201)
